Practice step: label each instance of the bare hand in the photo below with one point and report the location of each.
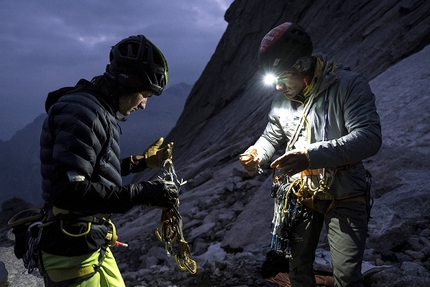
(250, 161)
(291, 162)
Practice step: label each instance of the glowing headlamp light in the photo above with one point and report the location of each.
(269, 79)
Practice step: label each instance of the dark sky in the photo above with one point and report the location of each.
(49, 44)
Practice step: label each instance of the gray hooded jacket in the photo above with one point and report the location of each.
(341, 128)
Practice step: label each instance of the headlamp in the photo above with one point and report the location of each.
(269, 79)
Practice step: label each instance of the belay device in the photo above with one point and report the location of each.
(171, 226)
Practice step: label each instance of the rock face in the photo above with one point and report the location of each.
(227, 107)
(227, 214)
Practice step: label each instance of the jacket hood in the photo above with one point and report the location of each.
(328, 73)
(82, 86)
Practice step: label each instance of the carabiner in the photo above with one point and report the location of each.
(183, 258)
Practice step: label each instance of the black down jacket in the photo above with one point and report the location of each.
(81, 135)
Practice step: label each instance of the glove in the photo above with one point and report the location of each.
(154, 155)
(250, 161)
(157, 193)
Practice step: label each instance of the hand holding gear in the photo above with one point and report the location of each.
(291, 162)
(157, 193)
(154, 155)
(250, 160)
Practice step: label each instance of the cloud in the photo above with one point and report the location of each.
(49, 44)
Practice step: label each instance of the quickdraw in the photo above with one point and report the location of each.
(287, 210)
(171, 226)
(291, 196)
(34, 234)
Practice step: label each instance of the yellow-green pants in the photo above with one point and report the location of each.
(61, 268)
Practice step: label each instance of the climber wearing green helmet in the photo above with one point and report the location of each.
(82, 170)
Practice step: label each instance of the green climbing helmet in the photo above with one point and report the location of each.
(137, 64)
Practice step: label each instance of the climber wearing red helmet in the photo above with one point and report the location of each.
(326, 118)
(81, 167)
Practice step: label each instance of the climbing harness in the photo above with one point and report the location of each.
(171, 232)
(29, 225)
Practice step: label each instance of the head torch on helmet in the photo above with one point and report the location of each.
(280, 79)
(282, 47)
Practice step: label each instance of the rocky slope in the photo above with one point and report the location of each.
(227, 214)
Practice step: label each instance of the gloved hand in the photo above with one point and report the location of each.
(154, 155)
(157, 193)
(250, 160)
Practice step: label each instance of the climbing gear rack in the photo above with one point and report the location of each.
(287, 209)
(170, 231)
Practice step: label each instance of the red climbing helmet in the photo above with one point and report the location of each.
(283, 46)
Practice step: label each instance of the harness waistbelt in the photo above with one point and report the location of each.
(335, 202)
(61, 214)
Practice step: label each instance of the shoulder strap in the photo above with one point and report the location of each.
(296, 134)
